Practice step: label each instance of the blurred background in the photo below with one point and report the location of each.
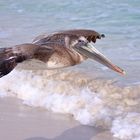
(21, 21)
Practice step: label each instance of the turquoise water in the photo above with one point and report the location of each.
(92, 94)
(119, 20)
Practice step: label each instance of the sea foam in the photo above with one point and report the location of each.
(127, 127)
(90, 101)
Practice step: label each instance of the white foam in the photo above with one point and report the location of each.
(3, 94)
(92, 102)
(127, 127)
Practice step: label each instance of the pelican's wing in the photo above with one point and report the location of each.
(36, 39)
(10, 57)
(90, 35)
(59, 37)
(55, 56)
(44, 52)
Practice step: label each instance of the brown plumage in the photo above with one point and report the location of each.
(10, 57)
(90, 35)
(56, 50)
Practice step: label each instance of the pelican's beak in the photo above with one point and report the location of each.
(90, 51)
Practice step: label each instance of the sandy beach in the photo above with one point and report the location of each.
(21, 122)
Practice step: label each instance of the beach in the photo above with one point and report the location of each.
(92, 102)
(83, 102)
(20, 122)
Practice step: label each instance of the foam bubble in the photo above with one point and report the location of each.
(3, 94)
(127, 127)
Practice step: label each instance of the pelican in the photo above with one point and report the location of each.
(56, 50)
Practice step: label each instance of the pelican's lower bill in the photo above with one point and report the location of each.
(91, 52)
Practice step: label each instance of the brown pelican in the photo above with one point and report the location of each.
(56, 50)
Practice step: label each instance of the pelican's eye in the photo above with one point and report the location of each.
(81, 41)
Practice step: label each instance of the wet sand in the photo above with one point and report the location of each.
(21, 122)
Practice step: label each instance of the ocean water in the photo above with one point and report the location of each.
(91, 93)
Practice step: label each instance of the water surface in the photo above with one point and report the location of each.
(93, 94)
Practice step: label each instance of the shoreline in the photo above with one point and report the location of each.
(20, 122)
(91, 102)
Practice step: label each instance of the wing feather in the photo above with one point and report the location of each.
(10, 57)
(59, 37)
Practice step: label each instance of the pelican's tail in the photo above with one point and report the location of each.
(10, 57)
(9, 60)
(6, 66)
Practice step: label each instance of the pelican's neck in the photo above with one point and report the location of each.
(77, 57)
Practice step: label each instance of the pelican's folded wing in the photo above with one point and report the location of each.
(59, 37)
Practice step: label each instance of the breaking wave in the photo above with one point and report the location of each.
(91, 101)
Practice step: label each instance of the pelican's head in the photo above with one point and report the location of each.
(86, 48)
